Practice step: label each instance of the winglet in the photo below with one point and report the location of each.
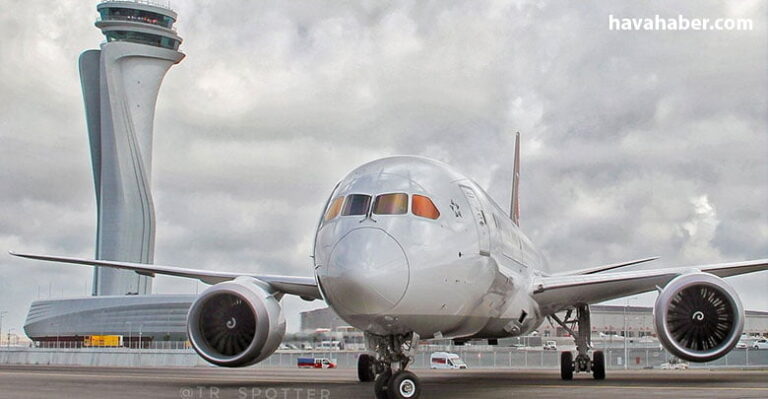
(514, 206)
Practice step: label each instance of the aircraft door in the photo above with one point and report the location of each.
(481, 221)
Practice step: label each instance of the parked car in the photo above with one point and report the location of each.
(741, 345)
(316, 363)
(761, 343)
(674, 365)
(445, 360)
(550, 345)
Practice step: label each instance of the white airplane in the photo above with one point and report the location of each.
(408, 249)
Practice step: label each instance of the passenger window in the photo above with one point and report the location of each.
(356, 204)
(423, 206)
(391, 204)
(333, 209)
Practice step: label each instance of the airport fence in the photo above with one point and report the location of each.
(178, 355)
(639, 358)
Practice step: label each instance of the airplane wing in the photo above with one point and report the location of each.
(556, 293)
(304, 287)
(604, 268)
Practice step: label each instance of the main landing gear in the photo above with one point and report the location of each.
(388, 366)
(582, 363)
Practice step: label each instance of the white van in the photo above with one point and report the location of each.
(331, 345)
(445, 360)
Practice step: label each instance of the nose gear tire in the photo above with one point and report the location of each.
(404, 385)
(365, 368)
(598, 365)
(566, 365)
(381, 384)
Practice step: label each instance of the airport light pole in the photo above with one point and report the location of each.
(2, 313)
(626, 334)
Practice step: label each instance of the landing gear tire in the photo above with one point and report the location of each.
(365, 368)
(380, 386)
(566, 365)
(404, 385)
(598, 365)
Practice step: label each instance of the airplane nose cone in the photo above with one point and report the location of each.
(367, 272)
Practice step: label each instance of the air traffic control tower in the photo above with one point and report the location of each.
(120, 87)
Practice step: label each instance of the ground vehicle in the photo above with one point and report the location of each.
(331, 345)
(316, 363)
(550, 345)
(102, 340)
(674, 364)
(445, 360)
(741, 345)
(760, 344)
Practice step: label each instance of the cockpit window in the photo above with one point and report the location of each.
(391, 204)
(356, 204)
(423, 206)
(334, 209)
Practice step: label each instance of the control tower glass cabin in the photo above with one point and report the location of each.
(139, 22)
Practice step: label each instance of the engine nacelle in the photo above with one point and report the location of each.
(236, 323)
(698, 317)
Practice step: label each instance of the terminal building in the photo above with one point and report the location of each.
(139, 319)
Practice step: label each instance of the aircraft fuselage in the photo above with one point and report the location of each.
(392, 265)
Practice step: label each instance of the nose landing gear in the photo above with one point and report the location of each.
(582, 363)
(393, 354)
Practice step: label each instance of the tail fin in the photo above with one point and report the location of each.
(514, 206)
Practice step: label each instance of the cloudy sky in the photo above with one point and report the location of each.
(634, 143)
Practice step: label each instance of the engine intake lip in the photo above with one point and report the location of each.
(723, 291)
(260, 317)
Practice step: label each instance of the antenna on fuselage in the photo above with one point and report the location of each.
(514, 206)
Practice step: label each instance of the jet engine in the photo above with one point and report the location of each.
(236, 323)
(698, 317)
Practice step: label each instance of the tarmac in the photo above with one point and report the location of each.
(271, 383)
